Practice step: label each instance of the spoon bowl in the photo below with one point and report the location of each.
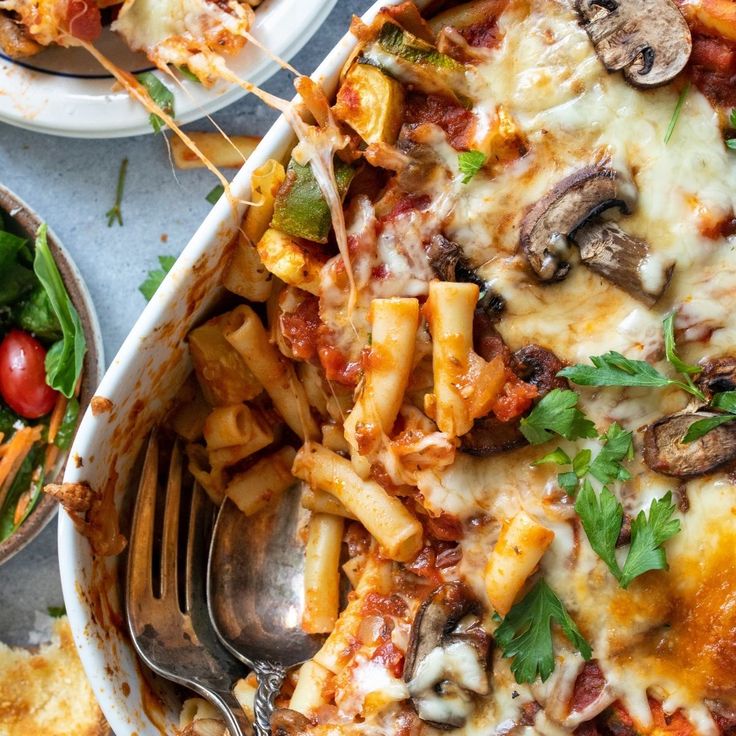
(255, 585)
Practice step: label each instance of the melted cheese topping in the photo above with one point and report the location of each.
(671, 634)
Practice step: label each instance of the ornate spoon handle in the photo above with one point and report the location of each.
(270, 676)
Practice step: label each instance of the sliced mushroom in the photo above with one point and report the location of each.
(664, 451)
(569, 215)
(717, 376)
(576, 199)
(449, 262)
(447, 658)
(648, 39)
(623, 260)
(287, 722)
(538, 366)
(490, 435)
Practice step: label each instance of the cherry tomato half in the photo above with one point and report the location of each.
(23, 375)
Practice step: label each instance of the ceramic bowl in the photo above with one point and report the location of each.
(142, 380)
(65, 92)
(21, 219)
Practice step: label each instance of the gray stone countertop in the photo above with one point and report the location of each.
(71, 184)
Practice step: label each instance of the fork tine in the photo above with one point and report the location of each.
(200, 525)
(170, 541)
(140, 550)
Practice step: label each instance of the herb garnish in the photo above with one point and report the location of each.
(602, 517)
(149, 287)
(557, 413)
(525, 634)
(185, 71)
(470, 163)
(606, 467)
(731, 142)
(160, 94)
(725, 401)
(115, 213)
(676, 113)
(215, 194)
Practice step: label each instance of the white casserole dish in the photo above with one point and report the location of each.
(142, 378)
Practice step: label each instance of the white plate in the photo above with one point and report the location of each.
(65, 92)
(140, 382)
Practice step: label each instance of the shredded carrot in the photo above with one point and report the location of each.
(17, 450)
(52, 453)
(56, 416)
(21, 508)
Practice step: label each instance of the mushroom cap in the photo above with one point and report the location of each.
(718, 375)
(287, 722)
(665, 453)
(436, 618)
(624, 260)
(573, 201)
(648, 39)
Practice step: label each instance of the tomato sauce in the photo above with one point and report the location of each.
(300, 328)
(713, 69)
(514, 399)
(453, 118)
(588, 686)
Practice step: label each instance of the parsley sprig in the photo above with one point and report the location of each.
(557, 413)
(614, 369)
(156, 276)
(725, 401)
(115, 212)
(470, 163)
(160, 94)
(602, 518)
(525, 634)
(607, 466)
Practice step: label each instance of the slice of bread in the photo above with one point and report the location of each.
(45, 692)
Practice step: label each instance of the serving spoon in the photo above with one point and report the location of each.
(255, 582)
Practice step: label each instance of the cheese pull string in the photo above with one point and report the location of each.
(139, 93)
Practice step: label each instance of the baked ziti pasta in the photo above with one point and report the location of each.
(489, 337)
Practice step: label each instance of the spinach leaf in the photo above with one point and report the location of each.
(65, 357)
(22, 482)
(37, 316)
(15, 282)
(65, 434)
(10, 245)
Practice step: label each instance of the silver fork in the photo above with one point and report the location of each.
(172, 633)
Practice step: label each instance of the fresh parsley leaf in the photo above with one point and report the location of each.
(115, 212)
(525, 634)
(648, 534)
(581, 462)
(557, 413)
(725, 400)
(731, 143)
(676, 113)
(557, 456)
(65, 358)
(670, 349)
(160, 94)
(569, 482)
(601, 516)
(618, 446)
(470, 163)
(215, 194)
(56, 611)
(614, 369)
(700, 428)
(155, 277)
